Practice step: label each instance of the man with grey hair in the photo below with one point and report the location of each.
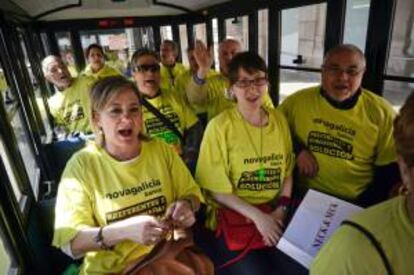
(342, 132)
(69, 105)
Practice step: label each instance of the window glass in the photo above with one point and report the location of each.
(184, 43)
(215, 43)
(263, 33)
(40, 109)
(10, 105)
(292, 81)
(66, 51)
(356, 22)
(200, 32)
(401, 56)
(238, 28)
(397, 92)
(166, 33)
(303, 32)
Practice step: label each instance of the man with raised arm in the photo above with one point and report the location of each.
(343, 132)
(210, 93)
(69, 106)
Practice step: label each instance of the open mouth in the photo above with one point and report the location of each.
(125, 132)
(150, 81)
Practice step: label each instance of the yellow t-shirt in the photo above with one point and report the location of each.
(96, 190)
(168, 76)
(233, 155)
(217, 98)
(349, 252)
(346, 143)
(181, 83)
(106, 71)
(70, 108)
(176, 110)
(3, 83)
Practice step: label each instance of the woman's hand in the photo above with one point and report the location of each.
(203, 57)
(142, 229)
(181, 214)
(307, 163)
(269, 226)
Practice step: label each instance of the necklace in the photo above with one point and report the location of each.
(261, 172)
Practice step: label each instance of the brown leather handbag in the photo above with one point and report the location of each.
(178, 257)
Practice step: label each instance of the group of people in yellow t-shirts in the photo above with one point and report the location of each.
(116, 194)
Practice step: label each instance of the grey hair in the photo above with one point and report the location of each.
(46, 61)
(344, 48)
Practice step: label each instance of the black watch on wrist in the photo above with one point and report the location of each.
(100, 240)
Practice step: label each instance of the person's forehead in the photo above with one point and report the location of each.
(147, 59)
(166, 46)
(230, 46)
(344, 58)
(54, 63)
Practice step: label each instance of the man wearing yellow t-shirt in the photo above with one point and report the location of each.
(69, 106)
(186, 140)
(343, 132)
(210, 93)
(170, 68)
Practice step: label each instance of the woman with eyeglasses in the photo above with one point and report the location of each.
(96, 63)
(114, 193)
(173, 120)
(246, 160)
(390, 224)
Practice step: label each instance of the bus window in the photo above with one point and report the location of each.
(41, 116)
(238, 28)
(66, 51)
(356, 22)
(263, 33)
(166, 33)
(302, 45)
(200, 32)
(184, 43)
(401, 56)
(215, 43)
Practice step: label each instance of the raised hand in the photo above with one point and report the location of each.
(203, 57)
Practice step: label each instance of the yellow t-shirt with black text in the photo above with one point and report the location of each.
(70, 108)
(176, 110)
(347, 144)
(233, 152)
(97, 190)
(350, 252)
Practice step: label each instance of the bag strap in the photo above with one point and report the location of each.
(168, 123)
(242, 254)
(374, 242)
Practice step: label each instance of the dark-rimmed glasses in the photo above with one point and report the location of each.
(244, 83)
(147, 68)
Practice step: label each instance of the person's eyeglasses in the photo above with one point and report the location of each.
(338, 71)
(147, 67)
(244, 83)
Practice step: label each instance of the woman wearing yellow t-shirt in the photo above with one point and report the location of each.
(97, 67)
(246, 159)
(390, 224)
(113, 192)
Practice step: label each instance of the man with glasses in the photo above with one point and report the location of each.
(343, 133)
(170, 68)
(172, 120)
(210, 93)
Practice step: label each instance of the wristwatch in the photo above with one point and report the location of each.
(99, 240)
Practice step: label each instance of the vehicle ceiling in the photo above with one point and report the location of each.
(102, 8)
